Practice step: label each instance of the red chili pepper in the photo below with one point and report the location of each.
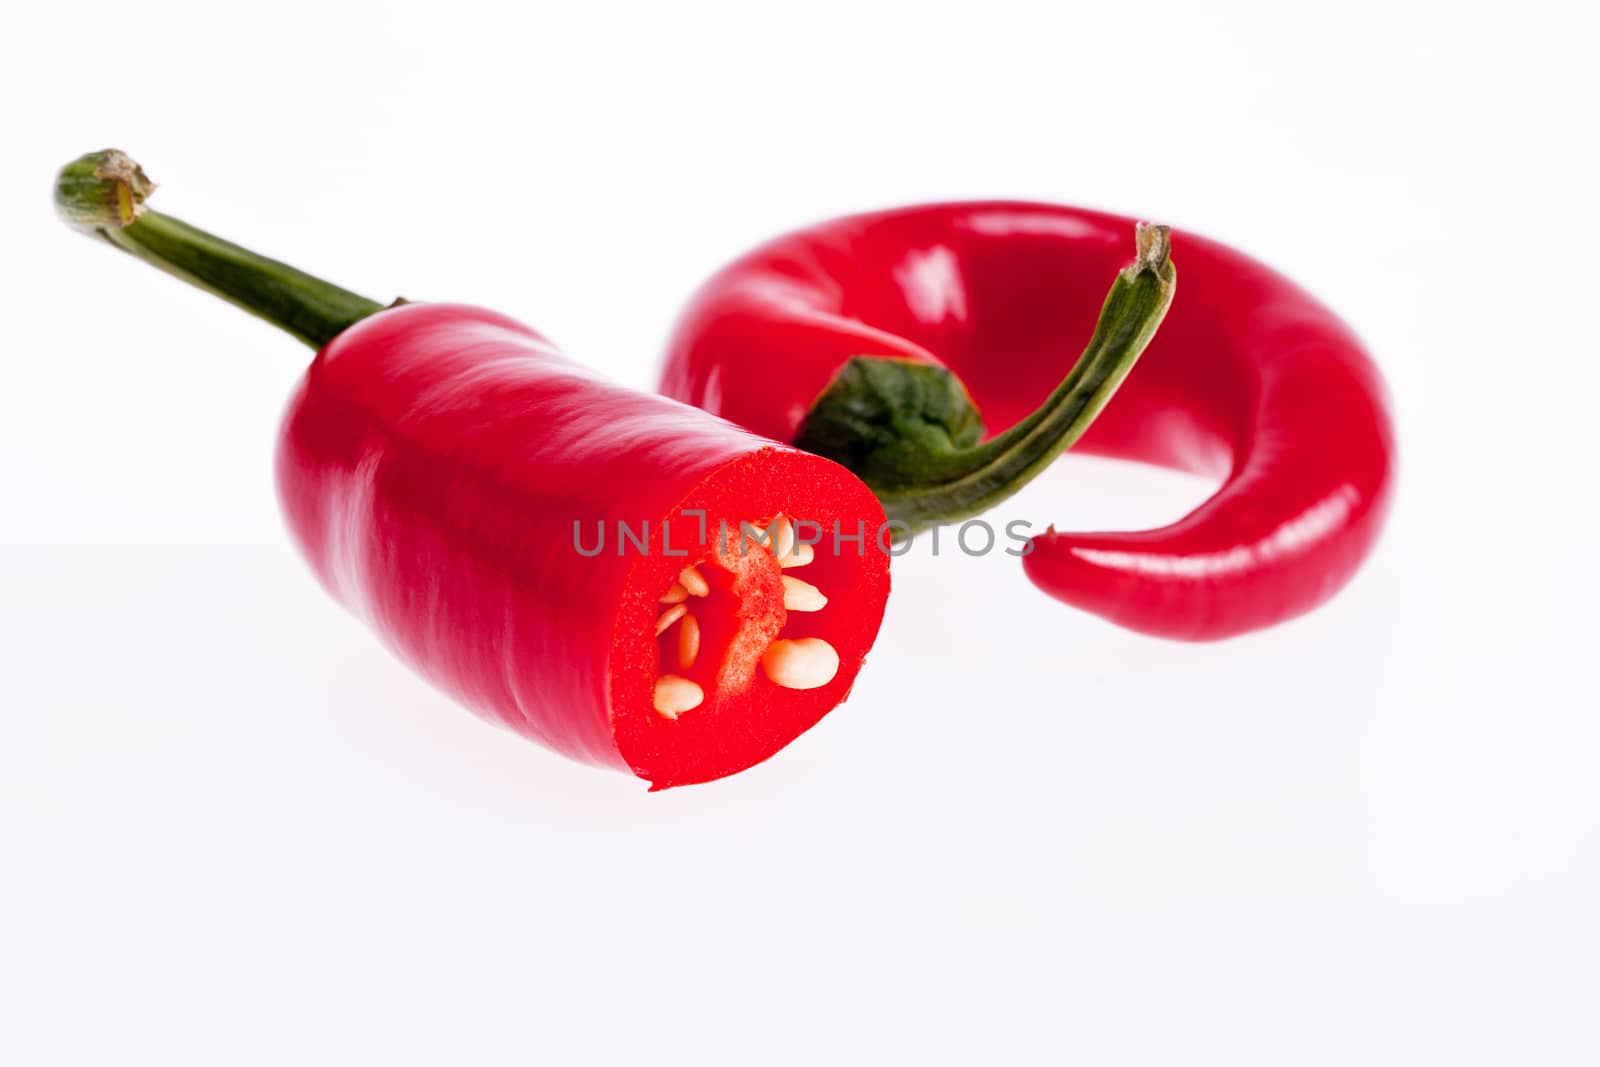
(458, 483)
(1249, 379)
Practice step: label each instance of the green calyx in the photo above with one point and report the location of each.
(911, 432)
(104, 194)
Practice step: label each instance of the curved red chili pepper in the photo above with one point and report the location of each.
(1249, 379)
(458, 483)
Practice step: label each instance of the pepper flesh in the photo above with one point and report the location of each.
(1249, 379)
(446, 471)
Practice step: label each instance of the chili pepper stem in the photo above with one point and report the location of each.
(104, 193)
(909, 430)
(974, 479)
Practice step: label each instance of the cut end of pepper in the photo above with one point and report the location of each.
(740, 587)
(102, 190)
(747, 638)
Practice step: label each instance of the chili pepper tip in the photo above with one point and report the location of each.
(101, 190)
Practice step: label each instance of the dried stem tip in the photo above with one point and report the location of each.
(102, 190)
(1153, 244)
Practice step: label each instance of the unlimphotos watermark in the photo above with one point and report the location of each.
(974, 537)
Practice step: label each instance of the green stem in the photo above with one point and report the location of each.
(104, 193)
(909, 430)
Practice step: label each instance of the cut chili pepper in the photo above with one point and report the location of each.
(546, 546)
(877, 339)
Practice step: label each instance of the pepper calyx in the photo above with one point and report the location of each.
(882, 416)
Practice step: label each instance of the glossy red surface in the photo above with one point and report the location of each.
(432, 466)
(1250, 379)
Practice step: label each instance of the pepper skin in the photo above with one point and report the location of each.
(448, 473)
(1249, 380)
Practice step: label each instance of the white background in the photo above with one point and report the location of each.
(234, 831)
